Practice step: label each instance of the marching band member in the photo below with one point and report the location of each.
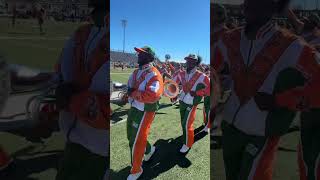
(193, 81)
(219, 17)
(174, 78)
(82, 99)
(170, 68)
(206, 105)
(309, 147)
(206, 100)
(145, 87)
(165, 72)
(264, 62)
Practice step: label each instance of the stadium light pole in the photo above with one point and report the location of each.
(124, 25)
(304, 5)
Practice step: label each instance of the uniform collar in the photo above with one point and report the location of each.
(192, 71)
(146, 66)
(264, 31)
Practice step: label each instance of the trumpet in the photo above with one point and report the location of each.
(171, 89)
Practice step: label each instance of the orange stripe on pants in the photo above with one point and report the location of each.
(141, 141)
(4, 158)
(301, 163)
(264, 169)
(206, 118)
(189, 129)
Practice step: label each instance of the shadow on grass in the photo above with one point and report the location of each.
(20, 169)
(293, 129)
(118, 115)
(166, 157)
(162, 106)
(160, 113)
(284, 149)
(33, 134)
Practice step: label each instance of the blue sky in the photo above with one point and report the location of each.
(175, 27)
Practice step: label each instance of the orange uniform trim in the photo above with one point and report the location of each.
(141, 142)
(301, 163)
(189, 128)
(91, 109)
(4, 159)
(148, 96)
(187, 85)
(217, 60)
(171, 67)
(205, 91)
(248, 79)
(308, 64)
(265, 167)
(83, 74)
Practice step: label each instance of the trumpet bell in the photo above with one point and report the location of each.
(171, 89)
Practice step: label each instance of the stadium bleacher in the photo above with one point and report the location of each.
(125, 57)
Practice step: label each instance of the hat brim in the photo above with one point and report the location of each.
(139, 50)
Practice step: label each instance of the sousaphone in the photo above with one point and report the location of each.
(171, 89)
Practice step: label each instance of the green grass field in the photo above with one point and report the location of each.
(165, 133)
(24, 45)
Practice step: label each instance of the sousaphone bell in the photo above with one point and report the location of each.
(171, 89)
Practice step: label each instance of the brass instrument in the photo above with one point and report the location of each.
(171, 89)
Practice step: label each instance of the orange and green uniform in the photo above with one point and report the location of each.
(84, 122)
(171, 68)
(274, 62)
(192, 81)
(309, 146)
(224, 78)
(307, 100)
(147, 83)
